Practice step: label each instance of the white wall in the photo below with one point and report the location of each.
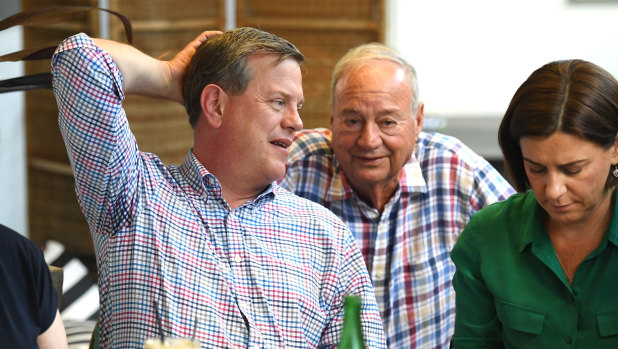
(13, 206)
(472, 55)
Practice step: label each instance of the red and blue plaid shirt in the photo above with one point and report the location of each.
(271, 273)
(407, 247)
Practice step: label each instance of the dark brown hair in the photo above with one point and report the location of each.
(222, 61)
(574, 97)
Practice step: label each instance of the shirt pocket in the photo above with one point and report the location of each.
(607, 323)
(520, 318)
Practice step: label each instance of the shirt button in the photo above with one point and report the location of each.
(568, 340)
(237, 259)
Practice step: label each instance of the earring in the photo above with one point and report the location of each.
(615, 172)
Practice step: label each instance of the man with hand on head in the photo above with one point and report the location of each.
(215, 242)
(405, 194)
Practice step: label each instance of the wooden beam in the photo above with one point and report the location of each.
(169, 25)
(50, 166)
(310, 24)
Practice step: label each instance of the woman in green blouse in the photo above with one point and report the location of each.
(540, 269)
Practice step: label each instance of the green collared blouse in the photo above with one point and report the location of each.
(512, 293)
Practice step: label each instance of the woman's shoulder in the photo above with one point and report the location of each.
(498, 227)
(503, 215)
(512, 206)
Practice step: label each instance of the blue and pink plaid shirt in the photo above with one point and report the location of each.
(271, 273)
(407, 247)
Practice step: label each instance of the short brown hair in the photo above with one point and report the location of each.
(572, 96)
(222, 61)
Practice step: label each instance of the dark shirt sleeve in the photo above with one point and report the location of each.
(28, 300)
(47, 295)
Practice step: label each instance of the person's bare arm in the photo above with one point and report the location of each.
(147, 76)
(55, 336)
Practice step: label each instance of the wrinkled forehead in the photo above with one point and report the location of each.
(375, 73)
(373, 81)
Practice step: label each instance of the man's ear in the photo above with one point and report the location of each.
(420, 114)
(331, 107)
(212, 103)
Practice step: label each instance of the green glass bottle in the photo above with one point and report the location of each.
(352, 334)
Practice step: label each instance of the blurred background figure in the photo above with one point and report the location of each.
(29, 316)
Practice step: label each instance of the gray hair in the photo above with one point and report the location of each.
(366, 53)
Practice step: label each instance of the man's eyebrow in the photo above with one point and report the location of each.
(389, 111)
(349, 110)
(288, 96)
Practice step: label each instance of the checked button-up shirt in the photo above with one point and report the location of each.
(272, 273)
(407, 247)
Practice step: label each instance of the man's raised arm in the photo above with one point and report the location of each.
(148, 76)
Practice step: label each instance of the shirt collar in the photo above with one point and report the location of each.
(534, 231)
(612, 229)
(205, 183)
(411, 180)
(196, 174)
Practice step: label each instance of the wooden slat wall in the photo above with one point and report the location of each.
(322, 29)
(52, 208)
(161, 28)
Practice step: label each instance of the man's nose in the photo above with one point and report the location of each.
(292, 120)
(370, 136)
